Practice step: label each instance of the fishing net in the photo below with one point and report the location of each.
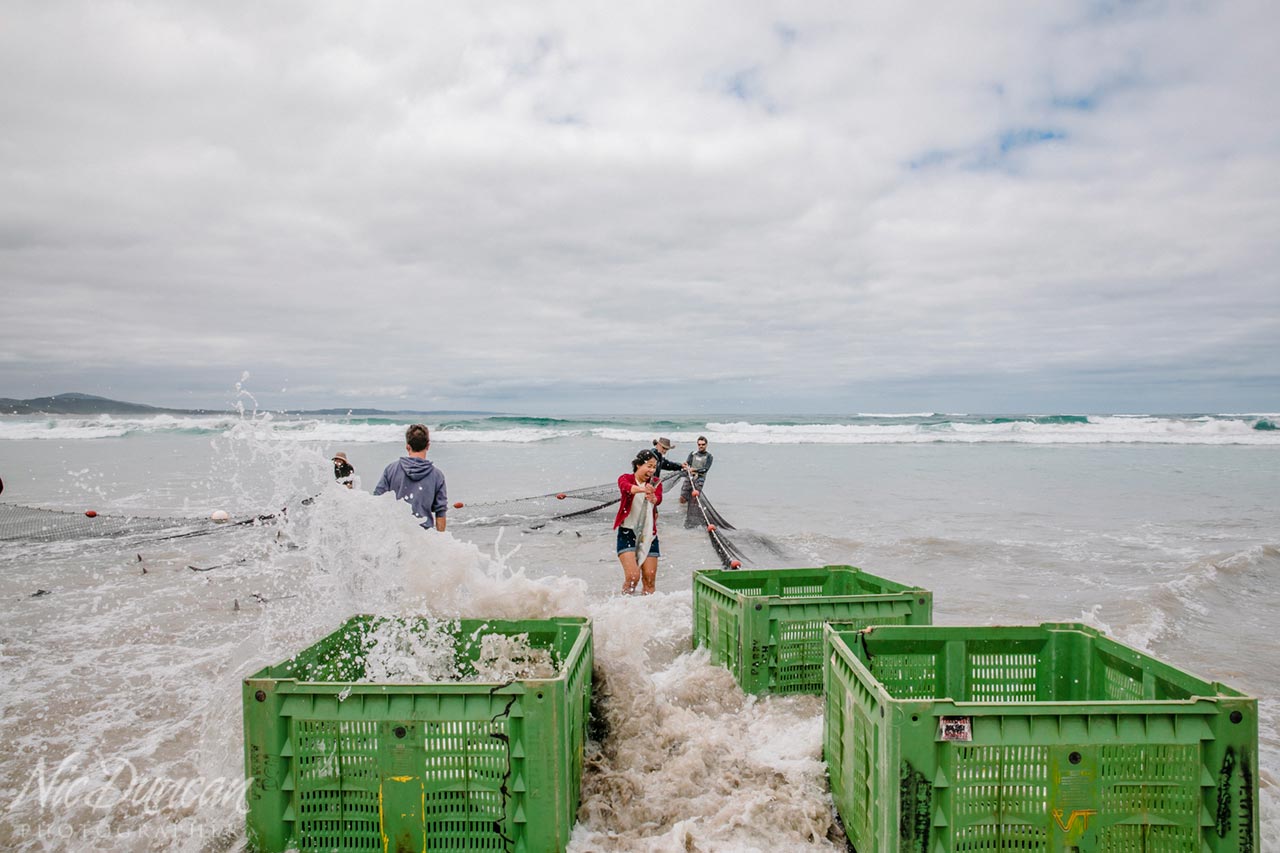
(588, 505)
(50, 525)
(699, 512)
(535, 509)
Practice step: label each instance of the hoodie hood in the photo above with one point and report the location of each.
(414, 468)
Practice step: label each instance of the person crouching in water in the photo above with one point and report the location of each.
(416, 481)
(637, 524)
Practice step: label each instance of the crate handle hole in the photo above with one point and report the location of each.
(920, 601)
(1074, 758)
(759, 607)
(1236, 716)
(539, 695)
(399, 731)
(915, 718)
(261, 696)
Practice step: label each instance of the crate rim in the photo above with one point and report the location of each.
(515, 686)
(708, 578)
(835, 638)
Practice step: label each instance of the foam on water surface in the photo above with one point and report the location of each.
(905, 428)
(395, 653)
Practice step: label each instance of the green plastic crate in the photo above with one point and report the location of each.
(765, 626)
(443, 766)
(1051, 738)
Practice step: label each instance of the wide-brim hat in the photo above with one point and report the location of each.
(341, 456)
(664, 443)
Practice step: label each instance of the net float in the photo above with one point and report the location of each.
(91, 513)
(695, 493)
(560, 496)
(219, 515)
(735, 565)
(711, 528)
(457, 504)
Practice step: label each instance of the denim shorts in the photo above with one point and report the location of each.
(627, 542)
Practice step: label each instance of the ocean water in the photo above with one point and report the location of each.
(121, 699)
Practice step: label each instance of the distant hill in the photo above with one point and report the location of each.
(88, 404)
(83, 404)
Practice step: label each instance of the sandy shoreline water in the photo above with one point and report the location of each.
(116, 675)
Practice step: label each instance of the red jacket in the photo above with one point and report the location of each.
(625, 482)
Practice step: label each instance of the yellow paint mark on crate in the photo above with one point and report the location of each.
(382, 824)
(1075, 813)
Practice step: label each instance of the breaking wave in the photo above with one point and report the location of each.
(908, 428)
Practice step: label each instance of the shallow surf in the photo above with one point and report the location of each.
(121, 687)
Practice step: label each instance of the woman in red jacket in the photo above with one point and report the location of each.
(637, 523)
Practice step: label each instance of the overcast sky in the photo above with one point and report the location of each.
(644, 207)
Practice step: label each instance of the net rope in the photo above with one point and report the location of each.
(553, 506)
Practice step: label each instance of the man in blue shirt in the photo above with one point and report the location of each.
(416, 481)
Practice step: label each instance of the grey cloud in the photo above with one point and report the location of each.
(536, 205)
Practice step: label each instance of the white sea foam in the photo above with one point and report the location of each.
(692, 763)
(270, 427)
(396, 653)
(331, 432)
(673, 770)
(524, 435)
(504, 658)
(62, 428)
(1099, 429)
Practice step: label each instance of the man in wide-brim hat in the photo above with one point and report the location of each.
(343, 470)
(662, 446)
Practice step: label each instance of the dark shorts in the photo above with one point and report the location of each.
(627, 542)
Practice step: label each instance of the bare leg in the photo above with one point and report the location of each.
(630, 572)
(650, 573)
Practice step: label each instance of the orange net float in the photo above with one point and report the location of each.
(711, 528)
(89, 513)
(561, 496)
(457, 504)
(695, 493)
(735, 565)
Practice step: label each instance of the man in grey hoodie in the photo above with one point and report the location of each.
(416, 481)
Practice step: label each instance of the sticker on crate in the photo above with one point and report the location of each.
(955, 728)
